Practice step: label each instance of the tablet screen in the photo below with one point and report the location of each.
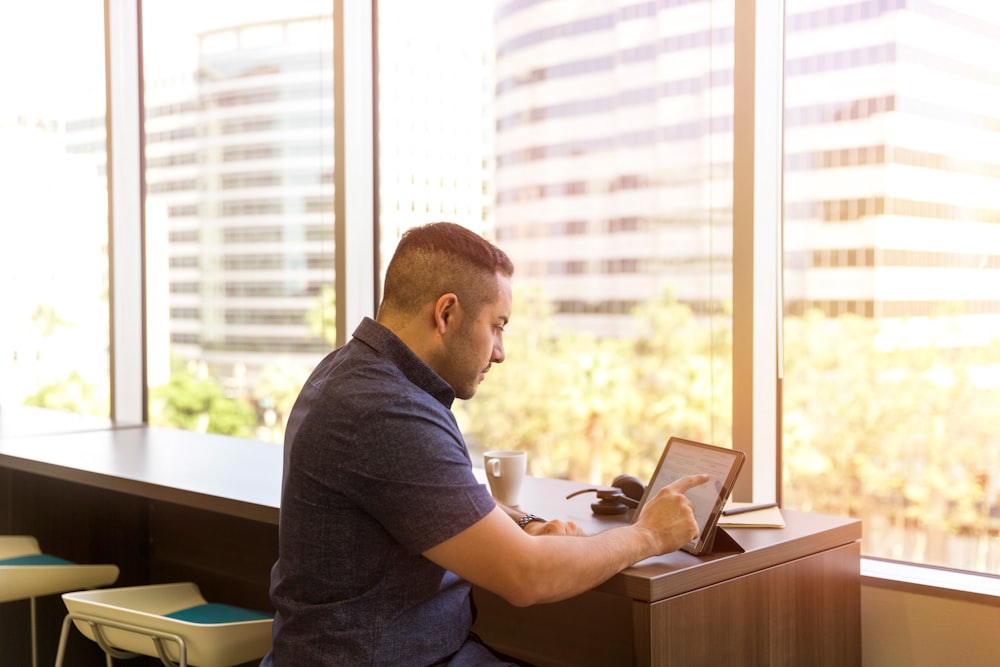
(686, 457)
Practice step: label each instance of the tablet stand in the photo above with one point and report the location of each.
(721, 542)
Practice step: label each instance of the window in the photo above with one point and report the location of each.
(595, 143)
(239, 208)
(53, 205)
(607, 140)
(892, 331)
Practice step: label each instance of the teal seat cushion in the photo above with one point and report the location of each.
(217, 613)
(35, 559)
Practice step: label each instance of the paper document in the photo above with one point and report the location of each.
(766, 518)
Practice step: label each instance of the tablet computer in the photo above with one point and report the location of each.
(686, 457)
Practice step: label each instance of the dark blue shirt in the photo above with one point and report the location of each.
(376, 472)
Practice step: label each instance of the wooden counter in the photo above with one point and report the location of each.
(792, 598)
(168, 505)
(164, 505)
(233, 476)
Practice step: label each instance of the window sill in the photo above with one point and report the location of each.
(929, 580)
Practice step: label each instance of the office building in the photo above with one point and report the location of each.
(614, 160)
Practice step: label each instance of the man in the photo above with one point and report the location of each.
(383, 525)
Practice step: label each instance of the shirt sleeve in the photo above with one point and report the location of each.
(423, 490)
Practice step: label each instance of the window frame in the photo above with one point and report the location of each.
(757, 208)
(757, 252)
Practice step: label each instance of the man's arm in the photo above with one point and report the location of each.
(525, 569)
(546, 527)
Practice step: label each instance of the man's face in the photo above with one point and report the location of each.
(478, 343)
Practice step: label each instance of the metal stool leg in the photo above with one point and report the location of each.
(98, 624)
(34, 636)
(63, 635)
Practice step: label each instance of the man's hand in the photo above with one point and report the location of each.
(553, 527)
(669, 515)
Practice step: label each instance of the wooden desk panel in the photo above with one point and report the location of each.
(806, 612)
(792, 598)
(593, 629)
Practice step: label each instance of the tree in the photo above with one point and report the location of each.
(588, 408)
(322, 315)
(894, 430)
(73, 394)
(199, 404)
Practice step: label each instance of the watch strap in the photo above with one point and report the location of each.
(528, 518)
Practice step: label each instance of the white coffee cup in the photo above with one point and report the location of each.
(505, 470)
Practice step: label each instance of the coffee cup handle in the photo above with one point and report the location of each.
(495, 467)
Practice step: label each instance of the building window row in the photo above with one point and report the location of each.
(866, 10)
(823, 19)
(257, 179)
(171, 109)
(270, 234)
(280, 262)
(186, 185)
(185, 287)
(175, 134)
(276, 288)
(869, 309)
(185, 262)
(268, 316)
(668, 135)
(269, 344)
(623, 306)
(248, 125)
(184, 236)
(182, 211)
(832, 61)
(606, 307)
(251, 207)
(172, 160)
(256, 152)
(894, 257)
(239, 98)
(855, 209)
(618, 225)
(619, 183)
(192, 314)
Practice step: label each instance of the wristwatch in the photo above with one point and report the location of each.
(528, 518)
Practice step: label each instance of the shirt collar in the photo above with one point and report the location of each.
(390, 346)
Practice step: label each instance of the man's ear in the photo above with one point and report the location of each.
(445, 310)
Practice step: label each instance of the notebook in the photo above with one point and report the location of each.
(686, 457)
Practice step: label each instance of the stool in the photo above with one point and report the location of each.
(172, 622)
(27, 573)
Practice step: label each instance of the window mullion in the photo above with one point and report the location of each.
(757, 255)
(124, 131)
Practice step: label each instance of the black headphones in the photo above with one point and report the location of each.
(624, 493)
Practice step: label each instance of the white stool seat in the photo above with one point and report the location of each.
(26, 573)
(189, 630)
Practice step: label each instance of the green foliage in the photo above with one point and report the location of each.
(73, 394)
(587, 408)
(276, 392)
(322, 316)
(890, 430)
(894, 423)
(199, 404)
(47, 321)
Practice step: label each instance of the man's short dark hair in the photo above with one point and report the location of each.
(439, 258)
